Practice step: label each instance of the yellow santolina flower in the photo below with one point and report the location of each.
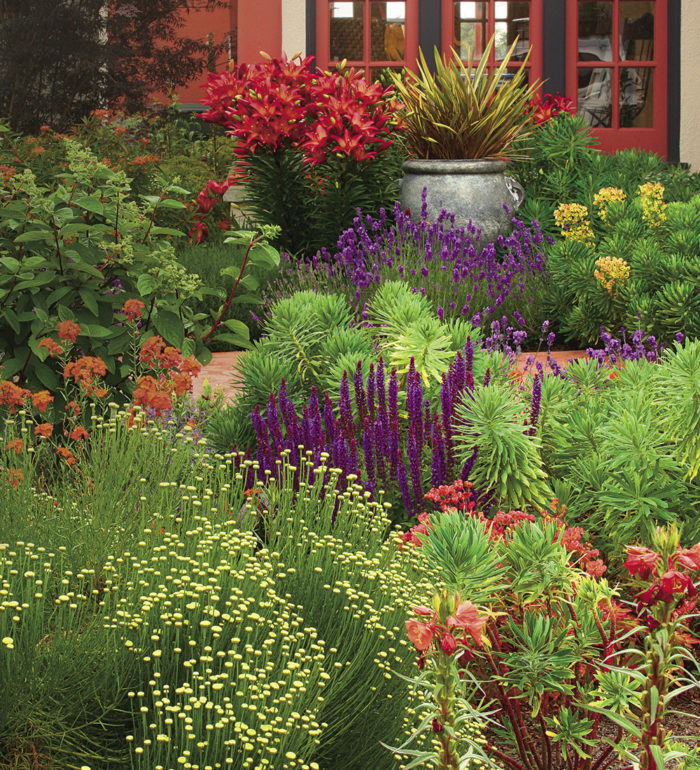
(604, 197)
(572, 219)
(612, 272)
(652, 194)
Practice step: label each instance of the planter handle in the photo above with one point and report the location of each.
(516, 190)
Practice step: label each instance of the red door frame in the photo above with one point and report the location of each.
(323, 38)
(653, 139)
(536, 32)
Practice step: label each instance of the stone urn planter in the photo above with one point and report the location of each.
(473, 190)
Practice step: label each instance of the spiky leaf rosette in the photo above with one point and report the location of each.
(508, 462)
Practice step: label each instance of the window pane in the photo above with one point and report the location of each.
(470, 28)
(636, 30)
(347, 31)
(595, 31)
(388, 31)
(595, 96)
(636, 97)
(515, 22)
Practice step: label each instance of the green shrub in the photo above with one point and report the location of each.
(633, 261)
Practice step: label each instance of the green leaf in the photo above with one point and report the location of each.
(13, 365)
(170, 327)
(89, 300)
(94, 330)
(46, 375)
(169, 203)
(204, 356)
(237, 327)
(89, 203)
(10, 263)
(145, 284)
(233, 339)
(34, 235)
(167, 231)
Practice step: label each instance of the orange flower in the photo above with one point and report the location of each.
(99, 392)
(182, 382)
(84, 371)
(41, 400)
(15, 475)
(151, 349)
(17, 445)
(66, 454)
(133, 308)
(44, 129)
(44, 429)
(51, 345)
(614, 375)
(170, 358)
(151, 392)
(79, 433)
(68, 330)
(12, 395)
(74, 407)
(191, 366)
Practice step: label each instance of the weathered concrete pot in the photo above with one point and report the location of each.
(470, 189)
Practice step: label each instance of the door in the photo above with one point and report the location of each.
(616, 70)
(472, 24)
(369, 35)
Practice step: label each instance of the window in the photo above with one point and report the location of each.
(617, 70)
(370, 34)
(470, 25)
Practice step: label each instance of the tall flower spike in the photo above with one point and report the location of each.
(345, 407)
(535, 404)
(360, 400)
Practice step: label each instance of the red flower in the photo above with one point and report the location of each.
(467, 618)
(41, 400)
(51, 345)
(78, 433)
(688, 557)
(421, 634)
(448, 644)
(641, 561)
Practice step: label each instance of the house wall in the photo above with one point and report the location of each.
(294, 27)
(690, 83)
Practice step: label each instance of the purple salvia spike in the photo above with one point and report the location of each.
(379, 454)
(487, 377)
(329, 419)
(371, 385)
(459, 370)
(368, 449)
(360, 401)
(469, 464)
(274, 423)
(352, 458)
(414, 461)
(345, 408)
(381, 389)
(535, 405)
(469, 365)
(404, 489)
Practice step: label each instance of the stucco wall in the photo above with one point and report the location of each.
(294, 26)
(690, 83)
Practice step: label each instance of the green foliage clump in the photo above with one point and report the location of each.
(273, 619)
(622, 453)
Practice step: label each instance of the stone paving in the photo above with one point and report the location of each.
(220, 371)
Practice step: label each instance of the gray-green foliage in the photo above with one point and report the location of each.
(623, 452)
(508, 464)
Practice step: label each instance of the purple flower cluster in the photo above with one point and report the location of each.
(366, 435)
(462, 277)
(615, 350)
(445, 263)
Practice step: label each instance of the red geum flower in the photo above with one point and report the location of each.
(421, 634)
(12, 395)
(78, 433)
(467, 618)
(51, 345)
(448, 644)
(44, 429)
(688, 557)
(641, 561)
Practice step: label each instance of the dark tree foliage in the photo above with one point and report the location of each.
(60, 59)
